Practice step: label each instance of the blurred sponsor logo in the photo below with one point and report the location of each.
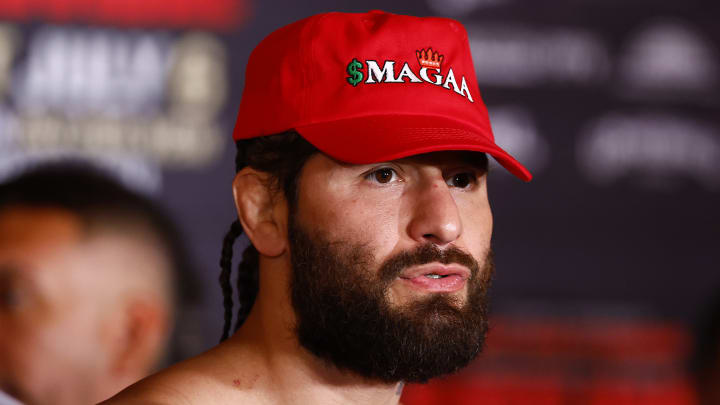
(458, 8)
(134, 171)
(216, 14)
(510, 55)
(79, 71)
(8, 47)
(654, 150)
(669, 56)
(581, 359)
(516, 131)
(169, 141)
(118, 92)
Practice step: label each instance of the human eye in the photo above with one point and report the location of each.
(463, 180)
(383, 175)
(11, 297)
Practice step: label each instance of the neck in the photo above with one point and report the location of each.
(272, 363)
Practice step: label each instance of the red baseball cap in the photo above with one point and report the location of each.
(366, 88)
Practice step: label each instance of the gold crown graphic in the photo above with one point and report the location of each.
(429, 58)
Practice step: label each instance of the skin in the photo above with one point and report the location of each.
(419, 201)
(75, 327)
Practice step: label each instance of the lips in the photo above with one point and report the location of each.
(436, 277)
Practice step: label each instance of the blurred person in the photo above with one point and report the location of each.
(87, 273)
(362, 189)
(705, 359)
(7, 400)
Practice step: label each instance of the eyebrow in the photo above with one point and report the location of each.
(8, 271)
(8, 275)
(478, 160)
(482, 163)
(12, 274)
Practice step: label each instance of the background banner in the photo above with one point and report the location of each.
(614, 107)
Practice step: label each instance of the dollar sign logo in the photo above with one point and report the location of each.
(355, 75)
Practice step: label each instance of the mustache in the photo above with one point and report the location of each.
(423, 254)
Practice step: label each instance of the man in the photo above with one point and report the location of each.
(368, 215)
(86, 286)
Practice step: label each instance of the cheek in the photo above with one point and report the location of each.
(366, 221)
(477, 225)
(41, 351)
(31, 356)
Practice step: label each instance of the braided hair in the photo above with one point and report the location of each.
(282, 156)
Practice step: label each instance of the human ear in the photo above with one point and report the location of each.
(141, 330)
(261, 211)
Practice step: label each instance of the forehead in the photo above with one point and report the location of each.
(22, 226)
(34, 241)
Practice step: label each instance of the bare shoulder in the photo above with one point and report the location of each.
(174, 385)
(198, 380)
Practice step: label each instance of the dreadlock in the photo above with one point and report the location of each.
(282, 156)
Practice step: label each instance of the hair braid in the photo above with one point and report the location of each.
(247, 283)
(282, 156)
(226, 265)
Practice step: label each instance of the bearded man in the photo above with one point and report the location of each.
(361, 185)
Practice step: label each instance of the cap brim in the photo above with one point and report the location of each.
(381, 138)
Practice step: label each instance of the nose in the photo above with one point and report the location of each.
(435, 216)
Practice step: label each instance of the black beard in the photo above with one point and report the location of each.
(345, 318)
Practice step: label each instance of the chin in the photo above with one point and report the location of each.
(415, 300)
